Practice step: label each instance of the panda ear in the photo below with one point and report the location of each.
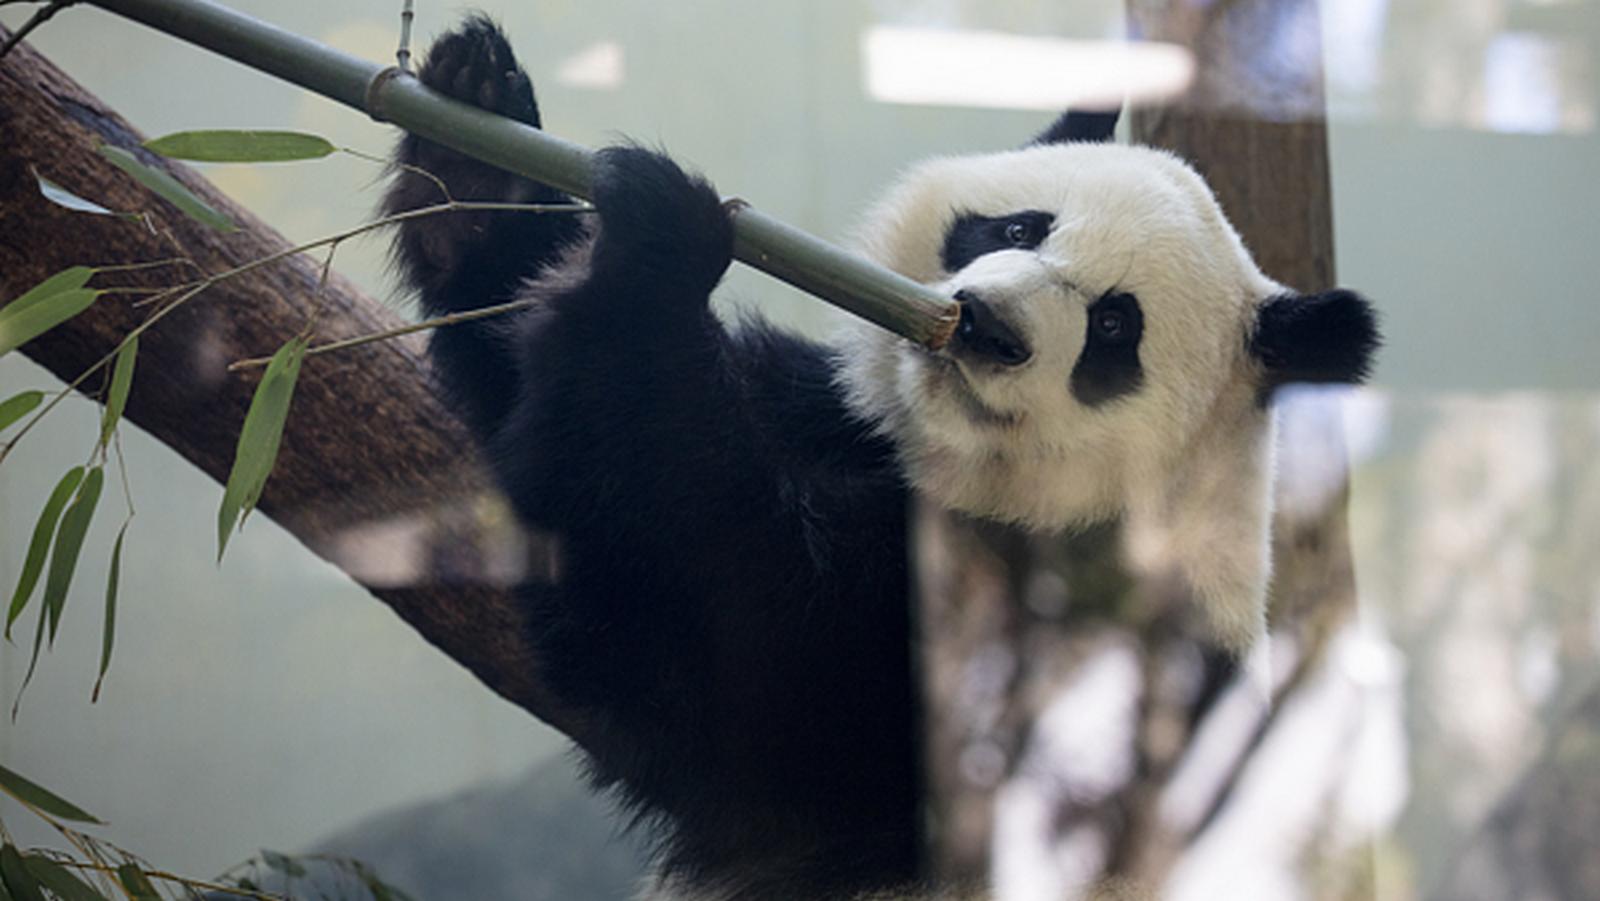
(1328, 337)
(1077, 125)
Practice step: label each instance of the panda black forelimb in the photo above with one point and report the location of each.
(730, 613)
(465, 260)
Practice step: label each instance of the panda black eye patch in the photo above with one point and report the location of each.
(1109, 366)
(971, 236)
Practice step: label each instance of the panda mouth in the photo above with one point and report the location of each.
(949, 371)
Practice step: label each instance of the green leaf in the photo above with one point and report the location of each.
(16, 876)
(167, 187)
(33, 660)
(69, 542)
(136, 883)
(259, 438)
(69, 279)
(121, 380)
(283, 863)
(60, 881)
(110, 630)
(39, 547)
(62, 197)
(38, 796)
(241, 146)
(17, 406)
(21, 326)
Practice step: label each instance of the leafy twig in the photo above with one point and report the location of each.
(185, 881)
(186, 292)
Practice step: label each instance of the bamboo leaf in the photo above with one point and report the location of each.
(121, 380)
(14, 872)
(17, 406)
(62, 197)
(259, 439)
(33, 660)
(69, 279)
(110, 629)
(35, 795)
(136, 883)
(19, 326)
(167, 187)
(39, 547)
(60, 881)
(69, 543)
(241, 146)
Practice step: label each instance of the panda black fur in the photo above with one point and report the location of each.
(731, 614)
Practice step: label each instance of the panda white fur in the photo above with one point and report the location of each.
(1179, 445)
(730, 615)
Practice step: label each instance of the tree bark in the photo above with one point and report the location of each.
(368, 446)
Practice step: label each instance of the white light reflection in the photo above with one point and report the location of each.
(1524, 89)
(989, 69)
(1337, 746)
(1510, 66)
(600, 66)
(1081, 753)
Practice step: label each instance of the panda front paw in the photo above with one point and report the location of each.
(474, 64)
(659, 223)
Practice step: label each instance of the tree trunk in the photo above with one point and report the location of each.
(368, 445)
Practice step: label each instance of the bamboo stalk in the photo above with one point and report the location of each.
(391, 95)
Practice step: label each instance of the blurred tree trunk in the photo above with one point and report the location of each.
(1539, 842)
(372, 474)
(1034, 639)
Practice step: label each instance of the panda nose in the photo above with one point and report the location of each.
(986, 335)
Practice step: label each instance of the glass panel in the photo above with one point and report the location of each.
(1425, 727)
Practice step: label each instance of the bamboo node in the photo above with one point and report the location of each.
(374, 94)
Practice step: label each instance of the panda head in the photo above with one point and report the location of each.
(1116, 351)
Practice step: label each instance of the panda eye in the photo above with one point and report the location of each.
(1112, 325)
(971, 236)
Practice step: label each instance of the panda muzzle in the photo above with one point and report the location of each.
(982, 334)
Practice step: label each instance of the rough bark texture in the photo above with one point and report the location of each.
(1004, 614)
(368, 447)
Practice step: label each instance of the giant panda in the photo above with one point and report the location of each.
(729, 613)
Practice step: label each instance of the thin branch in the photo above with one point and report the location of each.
(153, 264)
(444, 190)
(38, 18)
(185, 881)
(345, 344)
(403, 55)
